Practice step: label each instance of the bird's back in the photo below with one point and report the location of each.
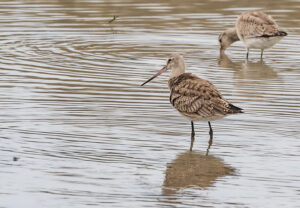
(198, 99)
(252, 24)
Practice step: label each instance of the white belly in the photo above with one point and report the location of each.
(262, 43)
(197, 117)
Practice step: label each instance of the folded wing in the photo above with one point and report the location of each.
(253, 24)
(193, 95)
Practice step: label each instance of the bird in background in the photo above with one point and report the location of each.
(195, 98)
(256, 29)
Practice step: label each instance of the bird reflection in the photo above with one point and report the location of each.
(247, 70)
(193, 169)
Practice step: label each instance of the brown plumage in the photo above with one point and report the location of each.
(195, 98)
(253, 24)
(198, 99)
(256, 29)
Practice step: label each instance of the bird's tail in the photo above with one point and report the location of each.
(278, 33)
(282, 33)
(235, 109)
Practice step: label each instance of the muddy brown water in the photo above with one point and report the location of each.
(77, 130)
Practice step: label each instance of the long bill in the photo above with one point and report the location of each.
(157, 74)
(222, 50)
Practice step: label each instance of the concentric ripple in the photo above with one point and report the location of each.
(77, 129)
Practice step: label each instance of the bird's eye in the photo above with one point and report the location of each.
(169, 60)
(220, 38)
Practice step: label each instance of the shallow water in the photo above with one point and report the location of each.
(83, 133)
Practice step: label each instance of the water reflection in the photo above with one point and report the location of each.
(87, 135)
(247, 69)
(193, 169)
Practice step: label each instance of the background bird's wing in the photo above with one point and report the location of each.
(256, 24)
(191, 95)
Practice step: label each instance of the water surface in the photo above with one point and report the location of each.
(85, 134)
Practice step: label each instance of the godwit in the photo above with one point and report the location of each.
(256, 29)
(195, 98)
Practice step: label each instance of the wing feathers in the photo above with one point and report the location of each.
(252, 24)
(192, 95)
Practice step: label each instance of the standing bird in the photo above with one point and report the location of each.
(195, 98)
(256, 29)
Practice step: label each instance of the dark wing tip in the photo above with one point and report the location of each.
(279, 33)
(282, 33)
(235, 109)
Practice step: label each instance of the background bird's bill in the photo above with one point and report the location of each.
(157, 74)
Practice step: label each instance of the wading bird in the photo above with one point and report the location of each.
(256, 29)
(195, 98)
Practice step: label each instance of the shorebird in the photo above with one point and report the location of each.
(256, 29)
(195, 98)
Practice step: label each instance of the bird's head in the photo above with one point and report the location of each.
(175, 63)
(226, 38)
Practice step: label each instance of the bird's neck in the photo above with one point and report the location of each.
(232, 35)
(177, 71)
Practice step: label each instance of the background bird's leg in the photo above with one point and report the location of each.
(247, 53)
(192, 136)
(210, 139)
(261, 55)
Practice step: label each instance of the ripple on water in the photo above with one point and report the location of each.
(87, 134)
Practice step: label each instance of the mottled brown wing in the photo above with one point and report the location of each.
(252, 24)
(192, 95)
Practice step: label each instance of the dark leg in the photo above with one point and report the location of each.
(210, 139)
(247, 53)
(192, 136)
(262, 52)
